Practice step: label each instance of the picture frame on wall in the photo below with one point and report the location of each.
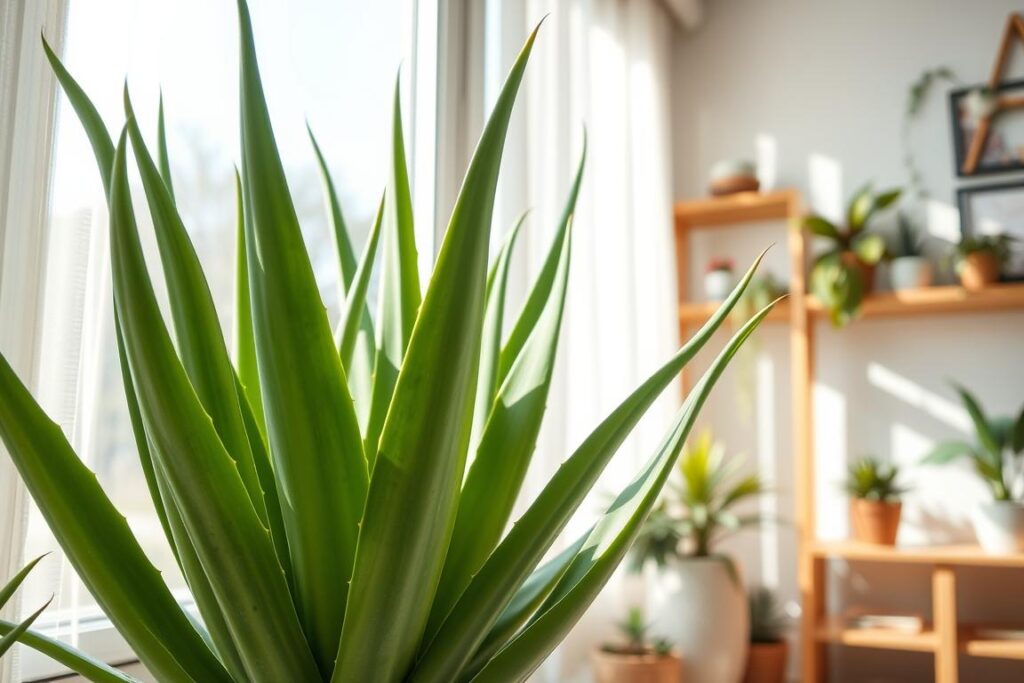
(1004, 146)
(993, 209)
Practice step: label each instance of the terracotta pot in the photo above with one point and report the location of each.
(875, 521)
(978, 270)
(867, 272)
(766, 663)
(616, 667)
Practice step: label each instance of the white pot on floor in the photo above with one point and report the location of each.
(700, 605)
(999, 526)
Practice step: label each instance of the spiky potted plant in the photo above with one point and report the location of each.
(995, 454)
(844, 273)
(979, 259)
(697, 593)
(909, 268)
(766, 661)
(874, 500)
(640, 659)
(315, 490)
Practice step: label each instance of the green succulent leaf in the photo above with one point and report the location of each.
(860, 208)
(245, 340)
(353, 329)
(946, 452)
(89, 668)
(870, 248)
(163, 158)
(821, 227)
(982, 427)
(7, 641)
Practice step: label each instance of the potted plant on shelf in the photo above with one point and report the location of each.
(766, 660)
(874, 501)
(265, 515)
(844, 274)
(979, 259)
(639, 659)
(909, 268)
(697, 594)
(995, 454)
(718, 279)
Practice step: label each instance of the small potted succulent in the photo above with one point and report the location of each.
(697, 595)
(909, 268)
(996, 456)
(874, 501)
(766, 660)
(979, 259)
(638, 660)
(718, 279)
(844, 274)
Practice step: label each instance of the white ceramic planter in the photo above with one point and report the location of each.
(910, 272)
(717, 284)
(999, 526)
(702, 609)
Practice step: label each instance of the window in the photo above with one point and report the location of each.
(331, 62)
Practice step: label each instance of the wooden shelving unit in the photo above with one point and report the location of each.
(946, 639)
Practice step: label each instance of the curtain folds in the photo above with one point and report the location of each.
(602, 65)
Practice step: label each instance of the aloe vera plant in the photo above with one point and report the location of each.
(315, 488)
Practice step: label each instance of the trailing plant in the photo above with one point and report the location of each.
(767, 618)
(315, 488)
(698, 512)
(838, 276)
(909, 240)
(916, 97)
(872, 479)
(635, 629)
(995, 452)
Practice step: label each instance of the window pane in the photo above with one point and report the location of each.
(331, 62)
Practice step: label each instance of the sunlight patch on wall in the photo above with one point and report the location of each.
(913, 394)
(767, 160)
(825, 176)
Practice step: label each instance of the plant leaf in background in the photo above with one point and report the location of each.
(321, 513)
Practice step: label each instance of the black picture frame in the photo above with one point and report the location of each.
(1014, 271)
(961, 140)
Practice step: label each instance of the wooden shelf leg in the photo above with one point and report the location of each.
(944, 617)
(813, 664)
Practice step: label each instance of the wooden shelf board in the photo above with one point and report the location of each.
(744, 207)
(698, 312)
(962, 555)
(933, 300)
(835, 630)
(975, 645)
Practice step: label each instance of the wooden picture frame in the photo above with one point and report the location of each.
(994, 157)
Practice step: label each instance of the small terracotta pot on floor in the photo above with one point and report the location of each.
(647, 667)
(766, 662)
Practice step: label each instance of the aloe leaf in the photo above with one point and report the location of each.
(97, 541)
(508, 441)
(494, 321)
(7, 641)
(360, 370)
(233, 545)
(314, 435)
(245, 342)
(530, 537)
(99, 138)
(981, 426)
(413, 493)
(524, 603)
(203, 351)
(355, 303)
(11, 586)
(610, 540)
(399, 287)
(545, 280)
(87, 667)
(163, 159)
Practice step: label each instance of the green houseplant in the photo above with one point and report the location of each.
(329, 527)
(979, 259)
(843, 275)
(909, 268)
(766, 661)
(697, 594)
(6, 593)
(640, 659)
(995, 454)
(875, 505)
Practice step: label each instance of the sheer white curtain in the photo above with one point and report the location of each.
(605, 65)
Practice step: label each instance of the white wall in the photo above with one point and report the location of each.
(816, 90)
